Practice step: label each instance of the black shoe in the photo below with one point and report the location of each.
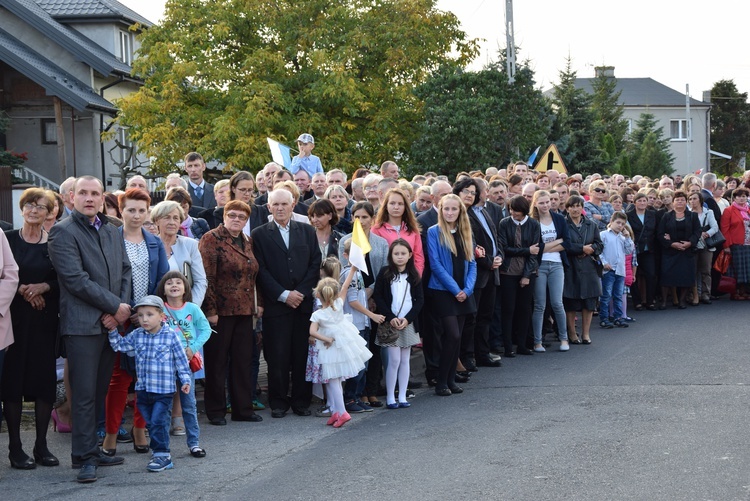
(486, 362)
(464, 374)
(140, 449)
(471, 366)
(651, 307)
(198, 452)
(456, 389)
(443, 392)
(110, 461)
(706, 301)
(432, 382)
(577, 341)
(510, 354)
(123, 437)
(414, 385)
(21, 461)
(218, 421)
(87, 474)
(524, 351)
(461, 379)
(109, 452)
(278, 413)
(252, 418)
(45, 458)
(301, 411)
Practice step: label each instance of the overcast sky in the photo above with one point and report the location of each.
(674, 42)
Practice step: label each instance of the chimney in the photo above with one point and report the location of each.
(607, 71)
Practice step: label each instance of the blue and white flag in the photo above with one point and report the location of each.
(280, 153)
(533, 157)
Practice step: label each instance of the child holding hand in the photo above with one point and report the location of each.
(159, 355)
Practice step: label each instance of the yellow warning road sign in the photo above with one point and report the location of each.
(551, 160)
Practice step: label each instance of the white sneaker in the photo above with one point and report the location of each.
(564, 347)
(539, 349)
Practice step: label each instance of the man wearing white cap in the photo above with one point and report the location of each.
(306, 160)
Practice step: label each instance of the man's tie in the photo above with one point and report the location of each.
(199, 193)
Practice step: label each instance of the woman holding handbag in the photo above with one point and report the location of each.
(705, 253)
(454, 273)
(735, 226)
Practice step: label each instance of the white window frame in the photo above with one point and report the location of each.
(683, 129)
(126, 47)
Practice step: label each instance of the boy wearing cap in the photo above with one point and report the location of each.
(158, 356)
(306, 160)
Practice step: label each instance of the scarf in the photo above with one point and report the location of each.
(185, 227)
(743, 209)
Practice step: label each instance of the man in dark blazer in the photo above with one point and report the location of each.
(488, 259)
(709, 185)
(95, 281)
(200, 191)
(429, 320)
(289, 268)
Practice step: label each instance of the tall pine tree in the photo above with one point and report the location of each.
(608, 117)
(650, 155)
(574, 129)
(730, 124)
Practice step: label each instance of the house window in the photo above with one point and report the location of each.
(49, 131)
(126, 47)
(679, 130)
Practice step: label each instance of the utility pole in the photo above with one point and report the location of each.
(510, 42)
(688, 132)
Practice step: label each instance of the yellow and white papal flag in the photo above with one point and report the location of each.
(360, 248)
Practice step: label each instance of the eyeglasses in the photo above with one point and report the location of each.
(600, 190)
(148, 224)
(371, 188)
(244, 190)
(232, 215)
(466, 191)
(31, 207)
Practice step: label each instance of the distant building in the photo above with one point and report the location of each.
(645, 95)
(81, 52)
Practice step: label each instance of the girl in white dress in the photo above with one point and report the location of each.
(342, 353)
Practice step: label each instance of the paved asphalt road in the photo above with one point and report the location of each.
(655, 411)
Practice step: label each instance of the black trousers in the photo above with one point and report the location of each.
(517, 304)
(451, 343)
(431, 329)
(475, 341)
(90, 363)
(646, 274)
(230, 348)
(285, 349)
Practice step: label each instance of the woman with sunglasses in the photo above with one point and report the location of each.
(597, 208)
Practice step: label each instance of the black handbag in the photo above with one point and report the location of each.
(715, 240)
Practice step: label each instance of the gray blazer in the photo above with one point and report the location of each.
(208, 201)
(185, 250)
(378, 254)
(93, 270)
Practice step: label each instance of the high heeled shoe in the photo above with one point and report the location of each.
(45, 458)
(58, 425)
(140, 449)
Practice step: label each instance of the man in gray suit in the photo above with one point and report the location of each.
(94, 274)
(200, 191)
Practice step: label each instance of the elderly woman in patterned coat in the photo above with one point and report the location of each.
(230, 305)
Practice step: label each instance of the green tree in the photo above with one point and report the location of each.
(608, 117)
(222, 75)
(730, 124)
(650, 155)
(476, 119)
(574, 130)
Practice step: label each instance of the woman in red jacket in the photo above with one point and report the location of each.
(735, 226)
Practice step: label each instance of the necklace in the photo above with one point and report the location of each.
(41, 236)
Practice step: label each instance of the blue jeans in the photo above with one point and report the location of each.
(551, 276)
(612, 290)
(189, 413)
(355, 386)
(156, 409)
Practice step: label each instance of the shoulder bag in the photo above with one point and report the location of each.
(387, 334)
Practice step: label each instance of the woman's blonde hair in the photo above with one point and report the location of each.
(463, 227)
(327, 290)
(537, 195)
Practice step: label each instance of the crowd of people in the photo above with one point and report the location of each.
(489, 265)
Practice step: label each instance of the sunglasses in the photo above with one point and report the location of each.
(599, 190)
